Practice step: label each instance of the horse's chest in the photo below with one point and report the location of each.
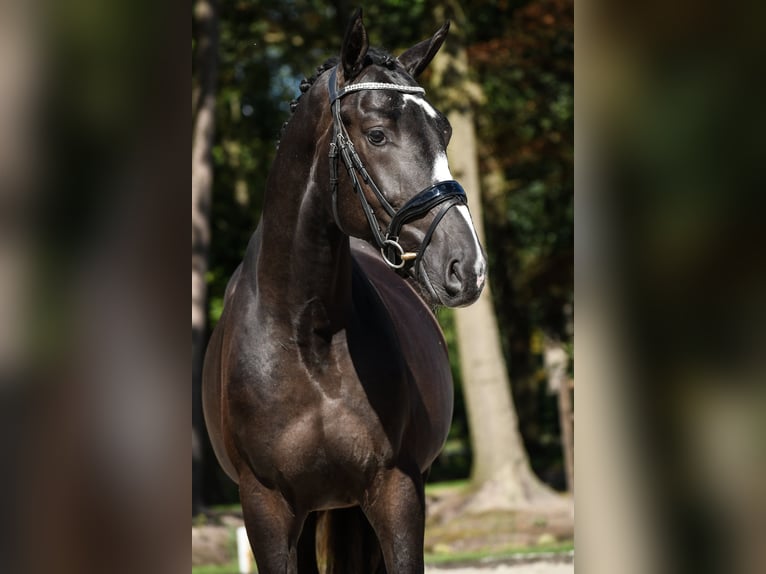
(324, 427)
(328, 453)
(338, 436)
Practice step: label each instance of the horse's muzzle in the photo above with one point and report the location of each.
(464, 281)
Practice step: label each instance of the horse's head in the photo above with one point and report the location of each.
(392, 184)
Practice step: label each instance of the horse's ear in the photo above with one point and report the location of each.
(420, 55)
(355, 46)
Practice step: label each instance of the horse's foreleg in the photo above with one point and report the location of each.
(272, 527)
(395, 507)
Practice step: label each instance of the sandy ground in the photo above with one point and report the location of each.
(559, 564)
(538, 568)
(492, 532)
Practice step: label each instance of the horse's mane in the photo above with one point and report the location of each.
(374, 56)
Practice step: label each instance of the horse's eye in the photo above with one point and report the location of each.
(376, 137)
(447, 135)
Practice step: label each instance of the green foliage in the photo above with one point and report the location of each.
(454, 462)
(251, 105)
(448, 487)
(488, 557)
(230, 568)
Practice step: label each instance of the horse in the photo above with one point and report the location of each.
(327, 391)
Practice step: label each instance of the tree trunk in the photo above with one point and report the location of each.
(206, 20)
(501, 475)
(566, 415)
(556, 362)
(501, 472)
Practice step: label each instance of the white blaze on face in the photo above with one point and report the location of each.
(418, 100)
(441, 172)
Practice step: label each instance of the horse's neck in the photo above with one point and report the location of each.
(304, 265)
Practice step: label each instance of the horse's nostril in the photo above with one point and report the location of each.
(454, 282)
(455, 270)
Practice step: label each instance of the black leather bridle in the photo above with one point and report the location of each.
(446, 193)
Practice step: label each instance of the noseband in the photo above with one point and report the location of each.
(449, 193)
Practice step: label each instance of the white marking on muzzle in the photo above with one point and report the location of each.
(441, 172)
(479, 264)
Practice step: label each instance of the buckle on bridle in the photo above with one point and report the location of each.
(395, 244)
(402, 255)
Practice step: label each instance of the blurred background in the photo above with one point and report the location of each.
(670, 272)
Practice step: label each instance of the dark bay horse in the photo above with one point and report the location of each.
(327, 388)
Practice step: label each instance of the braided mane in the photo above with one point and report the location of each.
(374, 56)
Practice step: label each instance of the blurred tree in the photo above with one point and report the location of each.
(205, 38)
(501, 475)
(522, 54)
(556, 362)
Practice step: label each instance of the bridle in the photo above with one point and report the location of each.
(446, 193)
